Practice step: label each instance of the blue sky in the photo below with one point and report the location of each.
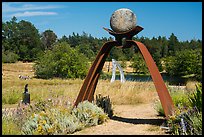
(184, 19)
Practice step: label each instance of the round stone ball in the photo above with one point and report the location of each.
(123, 20)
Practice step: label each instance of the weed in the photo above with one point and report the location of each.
(11, 97)
(9, 127)
(187, 120)
(195, 98)
(105, 104)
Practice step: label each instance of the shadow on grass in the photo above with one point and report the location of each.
(139, 121)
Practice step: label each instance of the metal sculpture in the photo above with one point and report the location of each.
(26, 96)
(116, 64)
(123, 39)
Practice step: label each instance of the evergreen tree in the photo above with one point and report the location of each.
(48, 39)
(173, 45)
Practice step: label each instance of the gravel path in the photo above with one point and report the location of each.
(129, 120)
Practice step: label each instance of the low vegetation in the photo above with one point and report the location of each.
(187, 118)
(47, 118)
(63, 92)
(67, 89)
(105, 104)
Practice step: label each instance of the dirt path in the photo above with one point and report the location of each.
(129, 120)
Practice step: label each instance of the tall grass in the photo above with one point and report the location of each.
(179, 98)
(66, 89)
(187, 117)
(9, 127)
(11, 97)
(127, 93)
(130, 92)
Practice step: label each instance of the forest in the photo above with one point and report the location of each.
(22, 41)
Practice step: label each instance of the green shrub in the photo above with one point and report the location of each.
(9, 127)
(196, 98)
(138, 64)
(195, 121)
(179, 98)
(105, 104)
(51, 122)
(46, 119)
(185, 62)
(186, 122)
(62, 62)
(158, 107)
(12, 97)
(9, 57)
(104, 75)
(89, 114)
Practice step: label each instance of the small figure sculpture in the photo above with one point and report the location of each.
(26, 96)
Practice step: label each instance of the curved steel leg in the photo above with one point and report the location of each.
(89, 85)
(88, 88)
(162, 91)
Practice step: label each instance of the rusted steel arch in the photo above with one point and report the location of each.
(88, 88)
(160, 86)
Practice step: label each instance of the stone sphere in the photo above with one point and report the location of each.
(123, 20)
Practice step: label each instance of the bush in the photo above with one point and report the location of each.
(89, 114)
(180, 99)
(105, 76)
(9, 57)
(158, 107)
(196, 98)
(46, 118)
(187, 119)
(185, 62)
(50, 120)
(105, 104)
(186, 122)
(62, 62)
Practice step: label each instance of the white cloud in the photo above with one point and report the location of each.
(37, 13)
(8, 7)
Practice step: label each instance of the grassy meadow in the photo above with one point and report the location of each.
(64, 90)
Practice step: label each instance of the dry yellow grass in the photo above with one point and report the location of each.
(128, 92)
(67, 90)
(109, 64)
(190, 86)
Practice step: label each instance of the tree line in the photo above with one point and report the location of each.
(21, 41)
